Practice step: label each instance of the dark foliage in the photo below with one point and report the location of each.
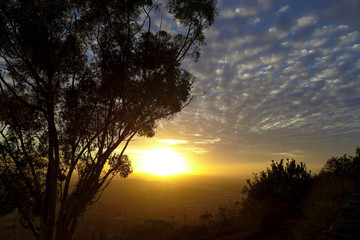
(345, 166)
(286, 183)
(275, 197)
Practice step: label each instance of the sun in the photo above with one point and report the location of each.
(163, 162)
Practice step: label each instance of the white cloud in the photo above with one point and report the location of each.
(295, 154)
(305, 22)
(245, 12)
(329, 29)
(208, 141)
(349, 38)
(356, 47)
(240, 11)
(275, 34)
(172, 141)
(196, 150)
(255, 20)
(284, 9)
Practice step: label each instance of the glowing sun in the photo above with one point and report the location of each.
(163, 162)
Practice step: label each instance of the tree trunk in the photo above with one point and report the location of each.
(47, 215)
(67, 222)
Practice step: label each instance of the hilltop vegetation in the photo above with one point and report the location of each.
(286, 202)
(282, 202)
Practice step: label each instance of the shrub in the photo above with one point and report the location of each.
(287, 183)
(343, 167)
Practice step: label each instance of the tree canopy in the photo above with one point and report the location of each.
(284, 182)
(78, 80)
(345, 166)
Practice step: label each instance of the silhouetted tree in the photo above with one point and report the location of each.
(275, 195)
(286, 183)
(79, 79)
(346, 166)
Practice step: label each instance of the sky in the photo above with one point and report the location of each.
(277, 79)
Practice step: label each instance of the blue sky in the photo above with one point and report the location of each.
(277, 79)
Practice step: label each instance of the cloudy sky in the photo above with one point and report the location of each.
(277, 79)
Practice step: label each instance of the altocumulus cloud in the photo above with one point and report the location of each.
(284, 75)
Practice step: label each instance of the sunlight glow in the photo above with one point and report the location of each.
(163, 162)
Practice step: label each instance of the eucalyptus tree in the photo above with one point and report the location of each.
(79, 79)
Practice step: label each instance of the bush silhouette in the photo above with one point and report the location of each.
(345, 166)
(275, 195)
(285, 183)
